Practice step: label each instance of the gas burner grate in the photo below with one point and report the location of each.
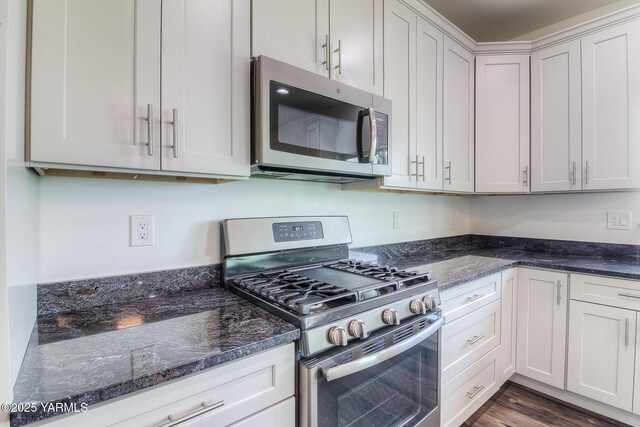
(297, 292)
(379, 272)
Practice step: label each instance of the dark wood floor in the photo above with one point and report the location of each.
(517, 406)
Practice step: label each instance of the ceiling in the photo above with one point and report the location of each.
(501, 20)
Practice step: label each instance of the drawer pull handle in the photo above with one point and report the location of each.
(475, 391)
(559, 296)
(629, 295)
(203, 410)
(475, 339)
(475, 297)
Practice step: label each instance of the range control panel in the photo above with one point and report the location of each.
(290, 231)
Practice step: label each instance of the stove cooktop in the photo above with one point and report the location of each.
(316, 289)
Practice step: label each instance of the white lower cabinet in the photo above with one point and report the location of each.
(466, 392)
(257, 390)
(542, 326)
(508, 318)
(601, 353)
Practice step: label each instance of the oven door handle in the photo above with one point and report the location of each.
(340, 371)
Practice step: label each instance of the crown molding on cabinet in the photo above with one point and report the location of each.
(521, 47)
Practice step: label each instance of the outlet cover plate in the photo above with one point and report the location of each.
(142, 230)
(619, 220)
(143, 361)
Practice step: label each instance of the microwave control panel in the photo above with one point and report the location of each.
(291, 231)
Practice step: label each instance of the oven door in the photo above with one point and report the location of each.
(391, 379)
(308, 122)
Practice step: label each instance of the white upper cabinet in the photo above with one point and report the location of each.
(413, 81)
(430, 49)
(356, 32)
(458, 115)
(502, 124)
(142, 85)
(556, 118)
(611, 107)
(399, 87)
(292, 31)
(338, 39)
(205, 75)
(95, 77)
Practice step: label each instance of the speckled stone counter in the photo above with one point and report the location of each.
(85, 356)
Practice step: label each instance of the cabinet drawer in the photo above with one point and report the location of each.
(466, 392)
(245, 386)
(605, 290)
(463, 299)
(243, 390)
(466, 339)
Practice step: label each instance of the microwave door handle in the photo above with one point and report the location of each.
(340, 371)
(373, 135)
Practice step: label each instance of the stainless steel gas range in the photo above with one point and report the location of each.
(369, 354)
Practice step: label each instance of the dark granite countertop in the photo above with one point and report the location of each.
(80, 349)
(85, 356)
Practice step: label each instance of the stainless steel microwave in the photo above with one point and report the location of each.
(308, 127)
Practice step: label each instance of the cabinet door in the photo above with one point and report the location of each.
(542, 326)
(356, 31)
(601, 353)
(610, 106)
(429, 45)
(556, 118)
(458, 115)
(89, 105)
(502, 124)
(400, 76)
(205, 86)
(292, 31)
(509, 305)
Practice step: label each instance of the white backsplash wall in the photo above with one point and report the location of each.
(84, 223)
(556, 216)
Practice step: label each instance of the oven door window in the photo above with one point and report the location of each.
(309, 124)
(398, 392)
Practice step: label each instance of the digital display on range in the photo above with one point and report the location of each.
(292, 231)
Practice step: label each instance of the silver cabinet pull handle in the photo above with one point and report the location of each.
(629, 295)
(411, 162)
(473, 298)
(423, 170)
(626, 332)
(149, 121)
(573, 180)
(174, 123)
(448, 176)
(203, 410)
(526, 176)
(475, 391)
(475, 339)
(327, 55)
(558, 296)
(586, 175)
(339, 52)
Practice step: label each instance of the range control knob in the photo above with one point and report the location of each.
(391, 317)
(431, 302)
(337, 336)
(358, 329)
(418, 307)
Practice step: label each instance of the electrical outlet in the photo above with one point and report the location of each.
(619, 220)
(142, 230)
(452, 217)
(143, 361)
(396, 220)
